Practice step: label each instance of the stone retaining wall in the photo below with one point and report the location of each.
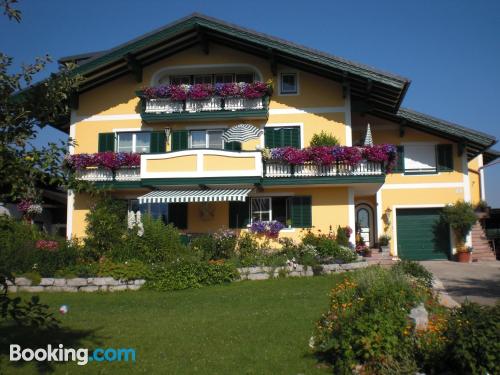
(91, 284)
(109, 284)
(263, 273)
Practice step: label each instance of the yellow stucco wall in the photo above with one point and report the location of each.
(221, 163)
(185, 163)
(118, 98)
(474, 180)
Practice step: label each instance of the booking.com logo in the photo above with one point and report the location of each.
(80, 356)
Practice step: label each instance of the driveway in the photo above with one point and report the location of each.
(478, 282)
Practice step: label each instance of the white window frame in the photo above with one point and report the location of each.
(407, 161)
(270, 211)
(207, 143)
(134, 141)
(280, 83)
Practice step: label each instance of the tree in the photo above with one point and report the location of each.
(24, 107)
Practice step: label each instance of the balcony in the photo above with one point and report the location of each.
(283, 170)
(213, 108)
(102, 175)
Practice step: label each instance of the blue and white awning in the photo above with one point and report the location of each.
(210, 195)
(241, 133)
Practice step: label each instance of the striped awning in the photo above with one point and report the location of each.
(209, 195)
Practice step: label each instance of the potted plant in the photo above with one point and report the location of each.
(461, 217)
(464, 254)
(383, 242)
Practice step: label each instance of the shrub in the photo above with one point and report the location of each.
(461, 218)
(342, 238)
(184, 275)
(78, 270)
(17, 245)
(416, 270)
(34, 276)
(106, 226)
(220, 245)
(324, 139)
(473, 337)
(131, 270)
(367, 320)
(66, 255)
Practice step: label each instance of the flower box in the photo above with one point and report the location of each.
(236, 104)
(210, 104)
(164, 106)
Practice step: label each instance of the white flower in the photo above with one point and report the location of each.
(130, 220)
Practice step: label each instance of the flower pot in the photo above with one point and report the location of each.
(385, 249)
(367, 253)
(463, 257)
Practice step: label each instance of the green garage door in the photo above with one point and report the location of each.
(421, 234)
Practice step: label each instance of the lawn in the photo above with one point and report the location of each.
(248, 327)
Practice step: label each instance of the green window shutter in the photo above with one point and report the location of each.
(282, 137)
(158, 142)
(232, 146)
(177, 215)
(400, 163)
(270, 137)
(444, 156)
(239, 214)
(301, 214)
(106, 142)
(179, 140)
(295, 134)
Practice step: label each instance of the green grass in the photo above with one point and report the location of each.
(244, 328)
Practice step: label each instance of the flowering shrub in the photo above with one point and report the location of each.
(29, 208)
(328, 155)
(47, 245)
(205, 91)
(268, 228)
(108, 160)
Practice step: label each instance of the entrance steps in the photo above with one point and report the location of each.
(482, 249)
(380, 259)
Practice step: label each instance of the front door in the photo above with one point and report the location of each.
(364, 223)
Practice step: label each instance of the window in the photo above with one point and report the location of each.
(420, 158)
(179, 80)
(261, 209)
(224, 78)
(288, 83)
(169, 213)
(245, 77)
(203, 78)
(282, 136)
(206, 139)
(294, 211)
(198, 139)
(134, 142)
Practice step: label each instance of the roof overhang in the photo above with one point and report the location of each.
(382, 90)
(472, 141)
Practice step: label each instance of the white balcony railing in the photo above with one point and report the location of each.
(99, 174)
(212, 104)
(278, 169)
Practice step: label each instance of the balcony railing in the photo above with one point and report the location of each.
(278, 169)
(100, 174)
(219, 163)
(214, 107)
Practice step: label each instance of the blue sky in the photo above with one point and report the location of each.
(450, 49)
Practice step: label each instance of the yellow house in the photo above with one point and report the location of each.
(140, 98)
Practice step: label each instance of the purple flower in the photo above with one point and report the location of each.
(108, 160)
(321, 155)
(200, 91)
(267, 228)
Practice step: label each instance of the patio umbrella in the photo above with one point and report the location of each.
(241, 133)
(368, 137)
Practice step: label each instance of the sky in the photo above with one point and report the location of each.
(450, 49)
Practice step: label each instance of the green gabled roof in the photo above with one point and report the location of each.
(489, 156)
(475, 141)
(384, 89)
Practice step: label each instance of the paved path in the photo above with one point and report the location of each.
(478, 282)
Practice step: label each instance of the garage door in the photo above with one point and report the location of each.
(421, 234)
